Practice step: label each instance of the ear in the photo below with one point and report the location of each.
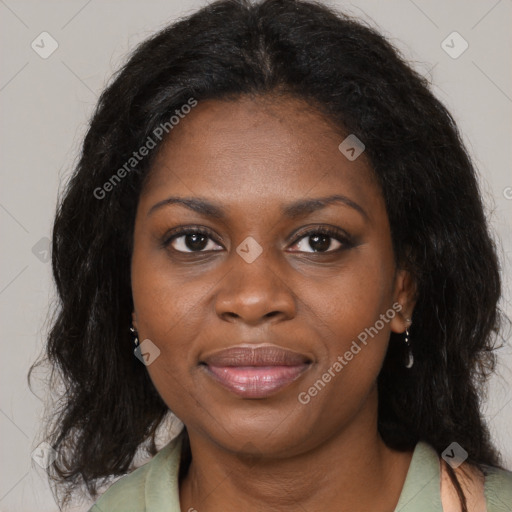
(134, 320)
(405, 291)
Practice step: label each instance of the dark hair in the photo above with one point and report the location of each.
(361, 84)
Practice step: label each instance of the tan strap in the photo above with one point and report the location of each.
(472, 482)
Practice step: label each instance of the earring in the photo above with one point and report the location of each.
(135, 336)
(409, 360)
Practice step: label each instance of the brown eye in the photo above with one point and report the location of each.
(323, 240)
(318, 242)
(192, 240)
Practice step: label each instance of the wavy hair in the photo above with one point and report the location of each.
(108, 406)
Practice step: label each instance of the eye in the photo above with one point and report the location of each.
(322, 239)
(191, 240)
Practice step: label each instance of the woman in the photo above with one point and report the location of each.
(276, 233)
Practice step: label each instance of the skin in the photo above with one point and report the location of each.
(252, 156)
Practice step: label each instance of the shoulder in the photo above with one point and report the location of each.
(489, 491)
(498, 489)
(153, 483)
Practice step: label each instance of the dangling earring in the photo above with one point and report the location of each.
(135, 337)
(409, 360)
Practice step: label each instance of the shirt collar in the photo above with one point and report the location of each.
(422, 486)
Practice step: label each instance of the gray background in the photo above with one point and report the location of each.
(45, 105)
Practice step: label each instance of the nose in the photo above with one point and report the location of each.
(255, 293)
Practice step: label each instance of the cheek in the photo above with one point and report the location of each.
(353, 299)
(167, 317)
(170, 312)
(352, 312)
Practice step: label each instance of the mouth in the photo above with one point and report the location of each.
(255, 372)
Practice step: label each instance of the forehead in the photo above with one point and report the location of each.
(257, 149)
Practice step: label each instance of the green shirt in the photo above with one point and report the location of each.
(153, 487)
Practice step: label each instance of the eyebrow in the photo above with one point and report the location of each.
(299, 208)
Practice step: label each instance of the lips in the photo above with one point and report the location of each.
(255, 372)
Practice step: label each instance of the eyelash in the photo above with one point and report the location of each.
(339, 235)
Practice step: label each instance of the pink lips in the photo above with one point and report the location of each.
(255, 372)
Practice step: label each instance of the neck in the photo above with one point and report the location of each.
(353, 470)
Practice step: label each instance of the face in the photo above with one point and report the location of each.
(287, 283)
